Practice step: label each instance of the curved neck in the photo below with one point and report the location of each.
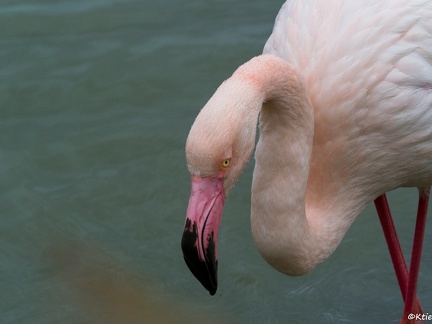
(291, 233)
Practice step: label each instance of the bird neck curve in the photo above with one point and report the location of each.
(286, 226)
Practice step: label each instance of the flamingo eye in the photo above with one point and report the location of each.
(226, 163)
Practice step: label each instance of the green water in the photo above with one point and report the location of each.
(96, 100)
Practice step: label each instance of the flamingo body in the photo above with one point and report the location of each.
(343, 93)
(368, 68)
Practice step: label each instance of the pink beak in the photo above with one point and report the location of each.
(203, 217)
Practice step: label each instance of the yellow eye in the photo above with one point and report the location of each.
(225, 163)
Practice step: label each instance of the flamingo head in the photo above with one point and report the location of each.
(218, 147)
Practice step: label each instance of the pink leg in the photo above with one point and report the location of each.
(411, 291)
(394, 247)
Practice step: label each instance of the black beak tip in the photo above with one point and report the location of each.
(205, 272)
(200, 271)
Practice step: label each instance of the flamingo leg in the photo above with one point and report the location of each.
(394, 247)
(410, 296)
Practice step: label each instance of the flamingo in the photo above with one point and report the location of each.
(343, 97)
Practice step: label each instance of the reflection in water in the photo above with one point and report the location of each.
(106, 292)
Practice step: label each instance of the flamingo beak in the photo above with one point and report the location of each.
(199, 241)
